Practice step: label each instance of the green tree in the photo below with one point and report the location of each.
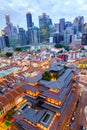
(62, 46)
(18, 49)
(8, 54)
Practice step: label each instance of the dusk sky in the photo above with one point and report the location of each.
(56, 9)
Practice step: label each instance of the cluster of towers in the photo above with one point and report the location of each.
(46, 32)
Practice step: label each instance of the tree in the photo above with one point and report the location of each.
(18, 49)
(62, 46)
(8, 54)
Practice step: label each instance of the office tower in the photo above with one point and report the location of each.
(79, 23)
(85, 27)
(7, 44)
(56, 25)
(32, 35)
(29, 36)
(9, 27)
(9, 31)
(44, 24)
(14, 31)
(1, 43)
(68, 24)
(7, 17)
(29, 20)
(35, 34)
(4, 40)
(58, 38)
(14, 40)
(62, 24)
(22, 37)
(84, 39)
(67, 35)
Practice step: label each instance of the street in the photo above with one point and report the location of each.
(81, 117)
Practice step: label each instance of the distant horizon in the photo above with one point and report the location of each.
(55, 9)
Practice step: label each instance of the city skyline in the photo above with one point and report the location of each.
(62, 9)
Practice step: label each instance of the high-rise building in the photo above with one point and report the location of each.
(44, 23)
(7, 41)
(29, 20)
(85, 27)
(67, 35)
(1, 43)
(68, 24)
(62, 24)
(84, 39)
(9, 27)
(58, 38)
(32, 35)
(56, 25)
(35, 34)
(22, 36)
(4, 40)
(9, 30)
(79, 23)
(7, 17)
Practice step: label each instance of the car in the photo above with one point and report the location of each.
(72, 125)
(82, 127)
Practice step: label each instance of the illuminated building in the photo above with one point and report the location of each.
(3, 32)
(10, 100)
(49, 102)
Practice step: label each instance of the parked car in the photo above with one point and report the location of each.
(82, 127)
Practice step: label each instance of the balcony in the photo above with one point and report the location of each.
(34, 94)
(53, 101)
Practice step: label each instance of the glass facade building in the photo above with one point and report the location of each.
(44, 24)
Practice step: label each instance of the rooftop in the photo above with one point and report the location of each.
(8, 71)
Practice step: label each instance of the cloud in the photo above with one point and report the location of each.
(56, 9)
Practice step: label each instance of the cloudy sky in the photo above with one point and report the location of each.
(56, 9)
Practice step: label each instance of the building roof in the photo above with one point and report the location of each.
(8, 71)
(61, 109)
(31, 114)
(10, 96)
(64, 76)
(34, 79)
(30, 87)
(56, 68)
(58, 95)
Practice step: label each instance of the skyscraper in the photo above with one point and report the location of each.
(22, 36)
(44, 24)
(29, 20)
(7, 17)
(35, 34)
(9, 27)
(79, 23)
(84, 39)
(62, 24)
